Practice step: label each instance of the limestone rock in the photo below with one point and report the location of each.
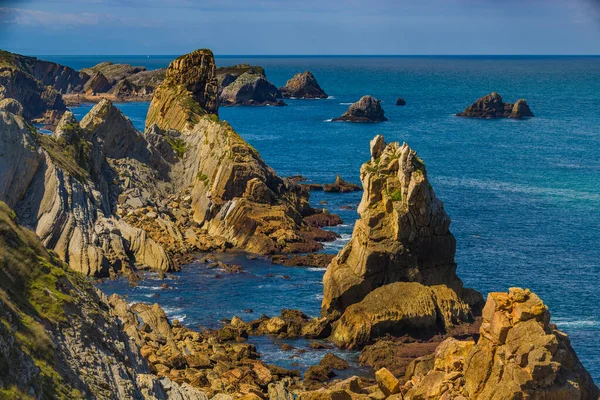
(402, 236)
(188, 92)
(227, 75)
(334, 362)
(97, 83)
(492, 106)
(12, 106)
(367, 109)
(250, 89)
(303, 86)
(519, 354)
(387, 382)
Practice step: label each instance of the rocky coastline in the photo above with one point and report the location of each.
(98, 198)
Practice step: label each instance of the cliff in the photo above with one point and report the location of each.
(58, 338)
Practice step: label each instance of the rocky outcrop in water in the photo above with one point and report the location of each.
(519, 354)
(367, 109)
(234, 194)
(400, 102)
(341, 186)
(492, 106)
(58, 338)
(250, 89)
(401, 244)
(303, 86)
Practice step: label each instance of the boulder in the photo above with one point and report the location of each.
(250, 89)
(367, 109)
(400, 102)
(303, 86)
(492, 106)
(334, 362)
(341, 186)
(399, 308)
(387, 382)
(402, 236)
(519, 354)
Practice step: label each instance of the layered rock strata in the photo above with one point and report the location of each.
(367, 109)
(401, 250)
(57, 336)
(492, 106)
(303, 86)
(519, 354)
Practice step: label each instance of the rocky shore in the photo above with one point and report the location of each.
(99, 198)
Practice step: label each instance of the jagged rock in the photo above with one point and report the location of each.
(97, 84)
(367, 109)
(58, 334)
(402, 235)
(492, 106)
(341, 186)
(303, 86)
(377, 147)
(12, 106)
(188, 92)
(250, 89)
(400, 102)
(387, 382)
(519, 354)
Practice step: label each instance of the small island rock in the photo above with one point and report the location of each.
(492, 106)
(400, 102)
(367, 109)
(303, 86)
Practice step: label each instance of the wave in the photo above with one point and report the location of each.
(328, 120)
(331, 97)
(180, 318)
(148, 287)
(581, 323)
(320, 269)
(346, 104)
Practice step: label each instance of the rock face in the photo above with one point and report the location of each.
(250, 89)
(367, 109)
(61, 188)
(519, 354)
(402, 236)
(188, 92)
(12, 106)
(234, 194)
(303, 86)
(492, 106)
(58, 338)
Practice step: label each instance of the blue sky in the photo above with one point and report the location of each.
(301, 26)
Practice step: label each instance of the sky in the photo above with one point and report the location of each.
(316, 27)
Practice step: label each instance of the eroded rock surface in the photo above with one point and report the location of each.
(250, 89)
(367, 109)
(519, 354)
(303, 86)
(492, 106)
(401, 250)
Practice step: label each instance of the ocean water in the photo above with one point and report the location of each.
(523, 195)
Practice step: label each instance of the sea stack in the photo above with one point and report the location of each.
(492, 106)
(367, 109)
(397, 273)
(245, 85)
(303, 86)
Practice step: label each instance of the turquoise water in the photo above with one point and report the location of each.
(523, 195)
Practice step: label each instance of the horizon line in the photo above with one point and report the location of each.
(322, 55)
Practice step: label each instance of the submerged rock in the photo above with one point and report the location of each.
(519, 354)
(367, 109)
(492, 106)
(303, 86)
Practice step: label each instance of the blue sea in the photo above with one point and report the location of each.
(524, 196)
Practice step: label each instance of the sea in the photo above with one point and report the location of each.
(523, 195)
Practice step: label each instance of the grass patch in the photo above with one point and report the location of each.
(202, 177)
(396, 195)
(178, 145)
(70, 157)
